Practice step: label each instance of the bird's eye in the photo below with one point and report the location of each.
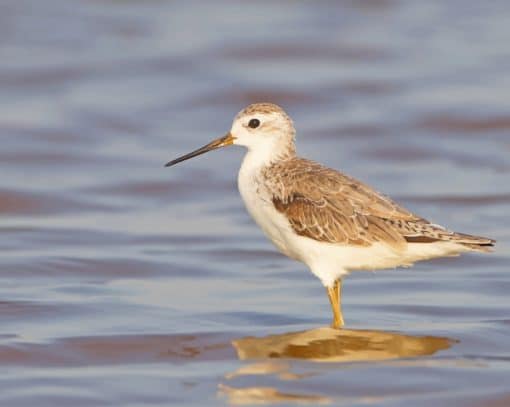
(254, 123)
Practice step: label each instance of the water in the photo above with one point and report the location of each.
(124, 283)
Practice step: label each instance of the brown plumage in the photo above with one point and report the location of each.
(328, 206)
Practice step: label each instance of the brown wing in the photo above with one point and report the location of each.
(325, 205)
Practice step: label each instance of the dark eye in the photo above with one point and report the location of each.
(254, 123)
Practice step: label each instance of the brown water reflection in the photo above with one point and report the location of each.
(345, 345)
(324, 345)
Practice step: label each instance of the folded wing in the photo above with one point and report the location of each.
(325, 205)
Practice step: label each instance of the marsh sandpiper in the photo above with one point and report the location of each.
(321, 217)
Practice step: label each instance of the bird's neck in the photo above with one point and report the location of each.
(256, 159)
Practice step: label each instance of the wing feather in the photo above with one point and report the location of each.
(325, 205)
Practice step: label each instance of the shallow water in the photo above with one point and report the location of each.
(124, 283)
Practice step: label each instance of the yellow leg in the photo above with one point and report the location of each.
(335, 299)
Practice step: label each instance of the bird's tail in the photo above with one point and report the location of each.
(426, 232)
(476, 243)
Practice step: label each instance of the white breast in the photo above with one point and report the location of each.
(258, 202)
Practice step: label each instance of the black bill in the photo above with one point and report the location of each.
(226, 140)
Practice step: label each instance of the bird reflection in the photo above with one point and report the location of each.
(273, 355)
(339, 345)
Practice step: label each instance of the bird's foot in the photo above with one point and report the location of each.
(337, 324)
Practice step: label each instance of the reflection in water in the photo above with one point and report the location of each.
(333, 345)
(318, 345)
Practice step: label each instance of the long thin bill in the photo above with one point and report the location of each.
(226, 140)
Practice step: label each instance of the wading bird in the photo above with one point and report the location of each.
(321, 217)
